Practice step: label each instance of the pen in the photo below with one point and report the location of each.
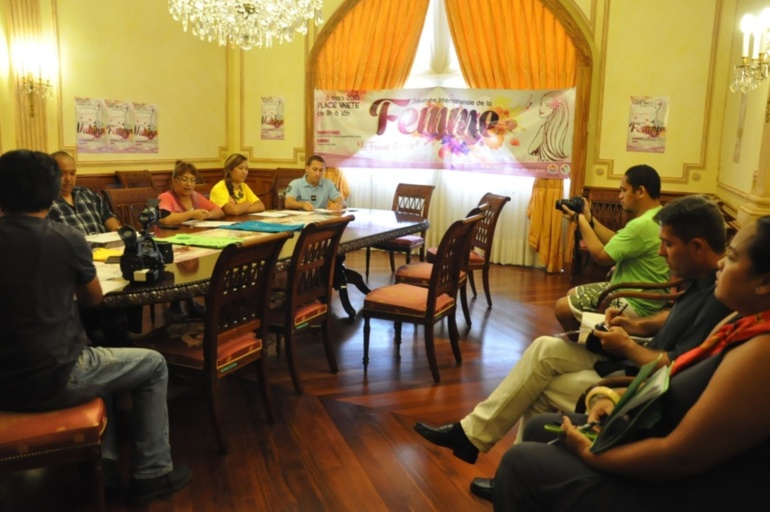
(583, 429)
(623, 308)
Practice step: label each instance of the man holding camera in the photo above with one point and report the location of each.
(46, 361)
(633, 250)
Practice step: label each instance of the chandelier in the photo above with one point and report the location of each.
(246, 23)
(755, 58)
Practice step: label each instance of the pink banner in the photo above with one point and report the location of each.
(483, 130)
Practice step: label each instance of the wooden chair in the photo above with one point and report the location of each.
(415, 200)
(280, 184)
(231, 335)
(136, 179)
(414, 304)
(204, 189)
(282, 177)
(34, 440)
(128, 203)
(481, 244)
(419, 274)
(675, 289)
(305, 300)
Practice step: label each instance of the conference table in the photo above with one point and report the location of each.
(191, 271)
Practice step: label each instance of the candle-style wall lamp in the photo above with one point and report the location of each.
(34, 64)
(755, 54)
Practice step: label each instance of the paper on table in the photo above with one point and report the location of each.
(208, 223)
(110, 277)
(189, 252)
(296, 212)
(102, 253)
(272, 214)
(104, 238)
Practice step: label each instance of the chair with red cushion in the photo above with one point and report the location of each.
(419, 274)
(40, 439)
(415, 200)
(478, 258)
(305, 301)
(403, 302)
(481, 244)
(230, 338)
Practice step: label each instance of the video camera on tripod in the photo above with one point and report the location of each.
(144, 259)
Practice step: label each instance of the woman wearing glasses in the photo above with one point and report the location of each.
(183, 201)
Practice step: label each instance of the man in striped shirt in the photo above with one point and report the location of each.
(79, 207)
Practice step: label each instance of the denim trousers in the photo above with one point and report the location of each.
(102, 372)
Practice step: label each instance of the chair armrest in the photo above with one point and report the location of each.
(616, 291)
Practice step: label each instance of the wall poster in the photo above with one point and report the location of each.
(115, 126)
(272, 118)
(647, 120)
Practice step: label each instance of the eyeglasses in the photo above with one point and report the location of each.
(186, 180)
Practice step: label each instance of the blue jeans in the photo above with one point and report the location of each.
(101, 372)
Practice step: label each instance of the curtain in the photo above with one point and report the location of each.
(537, 54)
(336, 176)
(373, 47)
(24, 37)
(545, 227)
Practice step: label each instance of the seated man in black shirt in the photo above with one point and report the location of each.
(46, 361)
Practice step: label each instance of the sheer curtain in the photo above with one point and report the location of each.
(455, 195)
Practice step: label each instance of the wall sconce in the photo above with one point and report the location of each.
(755, 58)
(33, 64)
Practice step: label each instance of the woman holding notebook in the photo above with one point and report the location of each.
(710, 447)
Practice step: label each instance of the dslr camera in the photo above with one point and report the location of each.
(573, 203)
(144, 259)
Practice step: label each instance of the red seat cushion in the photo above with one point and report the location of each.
(418, 274)
(182, 344)
(305, 314)
(404, 242)
(23, 433)
(475, 260)
(405, 299)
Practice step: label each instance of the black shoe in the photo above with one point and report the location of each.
(484, 488)
(451, 436)
(144, 491)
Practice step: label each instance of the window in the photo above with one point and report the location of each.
(436, 63)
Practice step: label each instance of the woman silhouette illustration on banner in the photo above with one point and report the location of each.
(548, 143)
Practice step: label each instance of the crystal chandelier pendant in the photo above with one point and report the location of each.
(246, 24)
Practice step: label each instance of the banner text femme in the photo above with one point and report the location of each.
(433, 120)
